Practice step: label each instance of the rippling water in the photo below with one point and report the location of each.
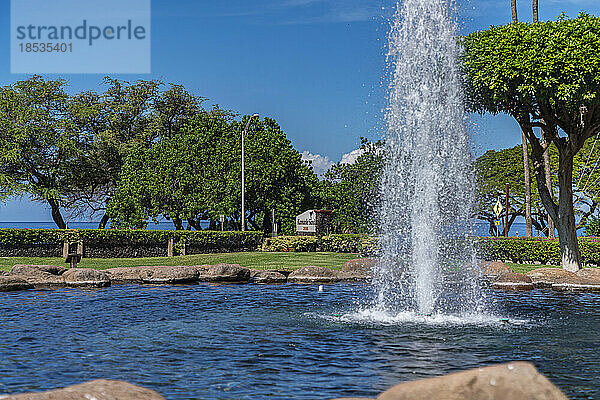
(281, 342)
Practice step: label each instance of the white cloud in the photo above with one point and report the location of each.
(350, 158)
(320, 164)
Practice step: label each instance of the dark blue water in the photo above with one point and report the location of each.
(278, 342)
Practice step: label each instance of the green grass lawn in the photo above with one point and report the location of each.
(524, 268)
(256, 260)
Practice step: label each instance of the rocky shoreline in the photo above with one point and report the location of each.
(23, 277)
(512, 381)
(495, 274)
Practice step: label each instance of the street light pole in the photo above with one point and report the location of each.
(243, 174)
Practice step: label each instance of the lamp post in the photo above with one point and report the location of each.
(243, 176)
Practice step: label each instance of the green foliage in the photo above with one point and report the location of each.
(592, 228)
(535, 250)
(335, 243)
(352, 190)
(231, 241)
(194, 175)
(522, 67)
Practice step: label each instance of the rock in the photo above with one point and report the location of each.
(3, 273)
(10, 283)
(86, 278)
(267, 276)
(584, 286)
(100, 389)
(513, 381)
(590, 274)
(360, 266)
(124, 275)
(513, 281)
(313, 274)
(40, 275)
(546, 277)
(493, 269)
(225, 273)
(168, 275)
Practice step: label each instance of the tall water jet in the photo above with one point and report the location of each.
(427, 181)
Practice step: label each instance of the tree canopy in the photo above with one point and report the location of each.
(547, 76)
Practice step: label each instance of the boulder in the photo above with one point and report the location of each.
(86, 278)
(168, 275)
(40, 275)
(313, 274)
(493, 269)
(124, 275)
(224, 273)
(10, 283)
(546, 277)
(590, 274)
(513, 281)
(513, 381)
(100, 389)
(360, 267)
(267, 276)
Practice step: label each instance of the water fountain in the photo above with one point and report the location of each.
(425, 266)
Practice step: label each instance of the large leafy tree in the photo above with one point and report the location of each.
(36, 142)
(125, 116)
(547, 76)
(195, 176)
(351, 190)
(183, 177)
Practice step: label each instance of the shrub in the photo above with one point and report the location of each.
(339, 243)
(535, 250)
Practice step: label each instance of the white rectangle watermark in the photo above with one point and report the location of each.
(80, 36)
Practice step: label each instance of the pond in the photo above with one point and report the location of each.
(281, 341)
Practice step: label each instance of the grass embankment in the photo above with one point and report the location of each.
(524, 268)
(255, 260)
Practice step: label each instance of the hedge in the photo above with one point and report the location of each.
(535, 250)
(338, 243)
(205, 241)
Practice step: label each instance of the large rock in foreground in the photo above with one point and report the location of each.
(86, 278)
(168, 275)
(513, 381)
(592, 275)
(313, 274)
(95, 390)
(40, 276)
(9, 283)
(513, 281)
(224, 273)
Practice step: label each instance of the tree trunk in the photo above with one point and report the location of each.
(549, 186)
(528, 230)
(178, 224)
(103, 222)
(569, 248)
(56, 215)
(536, 11)
(513, 6)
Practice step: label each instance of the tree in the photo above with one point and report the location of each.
(183, 177)
(495, 168)
(194, 176)
(352, 190)
(111, 124)
(36, 144)
(547, 76)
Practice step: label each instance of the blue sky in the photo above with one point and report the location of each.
(316, 66)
